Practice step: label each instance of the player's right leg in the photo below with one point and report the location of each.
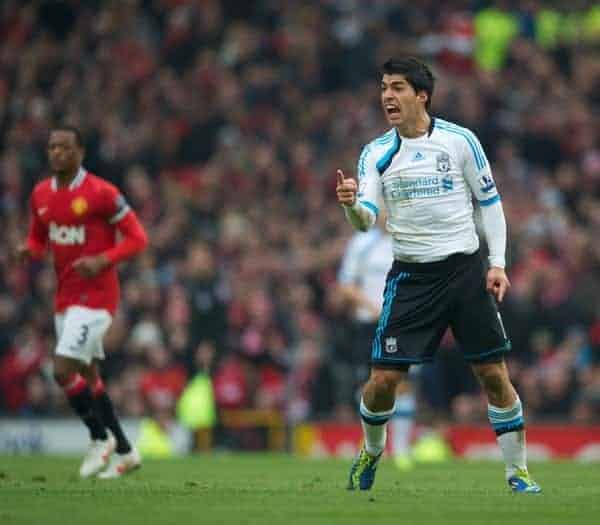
(77, 331)
(410, 328)
(376, 408)
(66, 374)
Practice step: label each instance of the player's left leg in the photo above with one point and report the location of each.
(478, 328)
(505, 413)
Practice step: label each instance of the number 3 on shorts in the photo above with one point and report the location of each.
(85, 329)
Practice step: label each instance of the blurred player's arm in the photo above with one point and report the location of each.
(133, 238)
(355, 298)
(359, 199)
(37, 238)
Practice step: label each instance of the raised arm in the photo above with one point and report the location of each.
(359, 200)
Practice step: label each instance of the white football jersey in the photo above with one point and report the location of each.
(366, 262)
(427, 185)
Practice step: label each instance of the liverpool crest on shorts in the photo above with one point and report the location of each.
(391, 346)
(443, 162)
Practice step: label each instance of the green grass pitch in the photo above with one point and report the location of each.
(277, 489)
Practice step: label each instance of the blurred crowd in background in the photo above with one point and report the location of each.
(223, 122)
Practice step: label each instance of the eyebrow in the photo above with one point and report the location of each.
(393, 82)
(59, 143)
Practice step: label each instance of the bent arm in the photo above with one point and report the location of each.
(361, 215)
(134, 239)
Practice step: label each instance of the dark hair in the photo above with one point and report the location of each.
(416, 73)
(70, 129)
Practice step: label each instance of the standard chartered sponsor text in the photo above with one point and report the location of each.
(421, 187)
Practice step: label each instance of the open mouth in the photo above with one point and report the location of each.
(392, 110)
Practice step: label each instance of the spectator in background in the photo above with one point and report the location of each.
(208, 296)
(163, 381)
(19, 368)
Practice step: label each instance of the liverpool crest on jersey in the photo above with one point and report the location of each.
(443, 162)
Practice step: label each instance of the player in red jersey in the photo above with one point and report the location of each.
(76, 216)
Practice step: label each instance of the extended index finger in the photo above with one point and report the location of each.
(501, 291)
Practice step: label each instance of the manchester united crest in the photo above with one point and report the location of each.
(79, 206)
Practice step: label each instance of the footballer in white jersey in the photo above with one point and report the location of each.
(428, 172)
(367, 259)
(428, 184)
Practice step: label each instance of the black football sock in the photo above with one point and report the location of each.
(107, 412)
(81, 401)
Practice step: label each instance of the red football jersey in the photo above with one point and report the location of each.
(82, 220)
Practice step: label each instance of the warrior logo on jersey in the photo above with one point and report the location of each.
(443, 162)
(79, 206)
(391, 345)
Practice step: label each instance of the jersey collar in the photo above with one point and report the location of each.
(75, 183)
(428, 134)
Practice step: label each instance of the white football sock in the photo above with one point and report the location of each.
(508, 424)
(374, 426)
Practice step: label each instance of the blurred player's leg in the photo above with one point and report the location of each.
(402, 423)
(126, 458)
(79, 395)
(80, 331)
(376, 408)
(105, 408)
(121, 464)
(505, 413)
(80, 398)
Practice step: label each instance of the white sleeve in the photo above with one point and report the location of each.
(478, 175)
(365, 211)
(477, 171)
(494, 229)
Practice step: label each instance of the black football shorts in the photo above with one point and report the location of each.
(421, 300)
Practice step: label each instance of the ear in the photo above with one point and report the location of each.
(422, 96)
